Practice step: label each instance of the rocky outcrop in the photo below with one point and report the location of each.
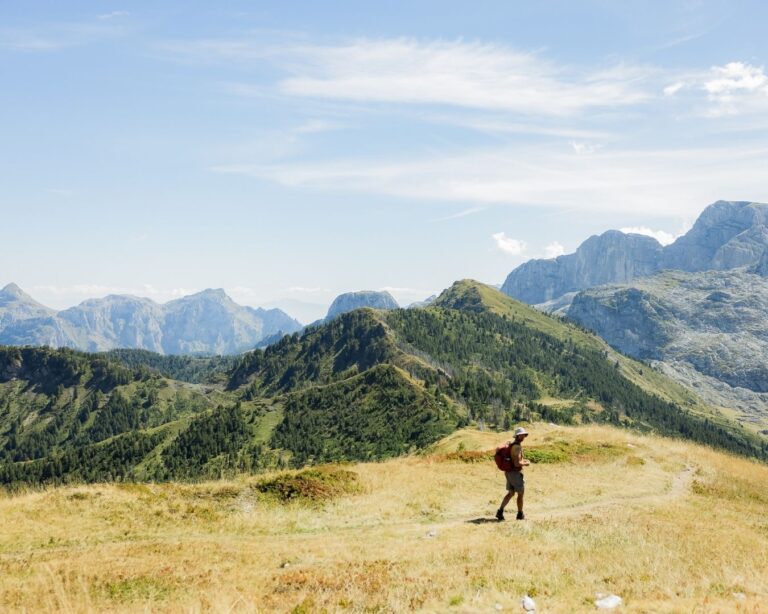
(208, 322)
(608, 258)
(357, 300)
(712, 321)
(761, 268)
(727, 235)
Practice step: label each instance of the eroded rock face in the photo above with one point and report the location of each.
(608, 258)
(727, 235)
(761, 268)
(714, 321)
(357, 300)
(633, 321)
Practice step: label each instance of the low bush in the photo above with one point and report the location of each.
(316, 484)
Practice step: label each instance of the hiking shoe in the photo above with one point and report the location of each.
(520, 516)
(499, 515)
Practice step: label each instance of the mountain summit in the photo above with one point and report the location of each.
(727, 235)
(357, 300)
(15, 305)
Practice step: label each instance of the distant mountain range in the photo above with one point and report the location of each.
(697, 308)
(208, 322)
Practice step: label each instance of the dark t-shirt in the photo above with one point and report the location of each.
(516, 452)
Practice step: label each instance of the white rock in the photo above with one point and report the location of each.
(499, 607)
(529, 605)
(740, 596)
(608, 602)
(432, 533)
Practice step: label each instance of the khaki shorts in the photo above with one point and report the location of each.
(515, 481)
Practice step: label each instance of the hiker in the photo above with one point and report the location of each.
(515, 482)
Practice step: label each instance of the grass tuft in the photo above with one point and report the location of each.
(316, 484)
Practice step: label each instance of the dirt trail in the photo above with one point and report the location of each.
(679, 488)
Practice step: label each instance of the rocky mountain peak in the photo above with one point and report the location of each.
(12, 290)
(211, 294)
(727, 235)
(357, 300)
(12, 294)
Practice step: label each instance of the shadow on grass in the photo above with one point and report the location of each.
(483, 521)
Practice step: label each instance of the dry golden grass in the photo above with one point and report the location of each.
(622, 515)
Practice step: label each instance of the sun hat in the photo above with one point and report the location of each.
(520, 431)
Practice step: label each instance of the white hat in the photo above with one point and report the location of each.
(520, 431)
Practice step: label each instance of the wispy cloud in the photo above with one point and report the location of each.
(306, 290)
(78, 292)
(55, 37)
(462, 213)
(663, 182)
(457, 73)
(674, 88)
(113, 15)
(584, 148)
(454, 73)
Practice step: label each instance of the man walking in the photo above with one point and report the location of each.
(515, 482)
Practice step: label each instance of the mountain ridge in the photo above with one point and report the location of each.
(727, 234)
(207, 322)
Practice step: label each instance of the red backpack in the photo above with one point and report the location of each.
(503, 458)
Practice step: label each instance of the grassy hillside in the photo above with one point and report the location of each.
(473, 296)
(668, 526)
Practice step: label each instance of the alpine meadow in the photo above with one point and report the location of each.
(335, 307)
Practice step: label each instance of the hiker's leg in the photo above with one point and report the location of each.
(519, 501)
(506, 500)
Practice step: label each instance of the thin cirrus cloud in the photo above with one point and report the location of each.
(453, 73)
(457, 73)
(56, 37)
(668, 183)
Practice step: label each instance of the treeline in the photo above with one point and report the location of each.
(212, 445)
(114, 460)
(223, 436)
(352, 343)
(375, 415)
(193, 369)
(46, 370)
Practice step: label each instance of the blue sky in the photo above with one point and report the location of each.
(290, 151)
